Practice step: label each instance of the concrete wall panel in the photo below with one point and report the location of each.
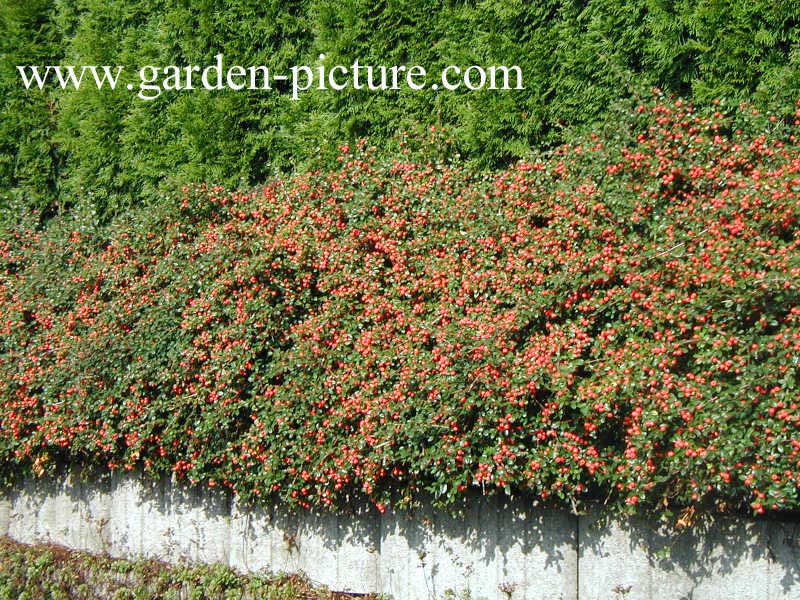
(496, 549)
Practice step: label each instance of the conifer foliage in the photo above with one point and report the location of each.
(111, 150)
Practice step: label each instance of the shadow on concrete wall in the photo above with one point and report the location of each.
(497, 547)
(713, 557)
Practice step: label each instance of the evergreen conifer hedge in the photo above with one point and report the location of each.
(111, 150)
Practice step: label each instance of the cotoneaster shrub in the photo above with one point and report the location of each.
(616, 320)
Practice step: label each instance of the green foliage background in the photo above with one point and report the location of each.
(110, 150)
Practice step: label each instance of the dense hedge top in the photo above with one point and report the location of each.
(578, 57)
(619, 319)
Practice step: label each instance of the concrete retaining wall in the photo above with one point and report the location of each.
(500, 549)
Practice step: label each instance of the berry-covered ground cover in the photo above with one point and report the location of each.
(616, 320)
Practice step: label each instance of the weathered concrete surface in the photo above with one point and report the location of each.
(122, 517)
(340, 551)
(714, 559)
(498, 544)
(498, 549)
(5, 515)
